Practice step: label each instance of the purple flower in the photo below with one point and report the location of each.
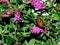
(5, 1)
(17, 17)
(36, 30)
(37, 4)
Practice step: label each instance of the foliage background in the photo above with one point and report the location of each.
(19, 34)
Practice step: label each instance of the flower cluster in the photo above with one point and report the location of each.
(37, 4)
(17, 17)
(36, 30)
(5, 1)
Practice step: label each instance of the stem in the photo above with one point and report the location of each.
(9, 5)
(16, 37)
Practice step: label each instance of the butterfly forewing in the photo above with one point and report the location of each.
(39, 22)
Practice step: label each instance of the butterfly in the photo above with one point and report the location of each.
(39, 23)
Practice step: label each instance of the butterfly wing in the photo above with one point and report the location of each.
(1, 1)
(39, 22)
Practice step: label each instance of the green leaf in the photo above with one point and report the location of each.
(32, 42)
(0, 29)
(13, 1)
(55, 16)
(25, 43)
(22, 6)
(24, 28)
(5, 44)
(9, 40)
